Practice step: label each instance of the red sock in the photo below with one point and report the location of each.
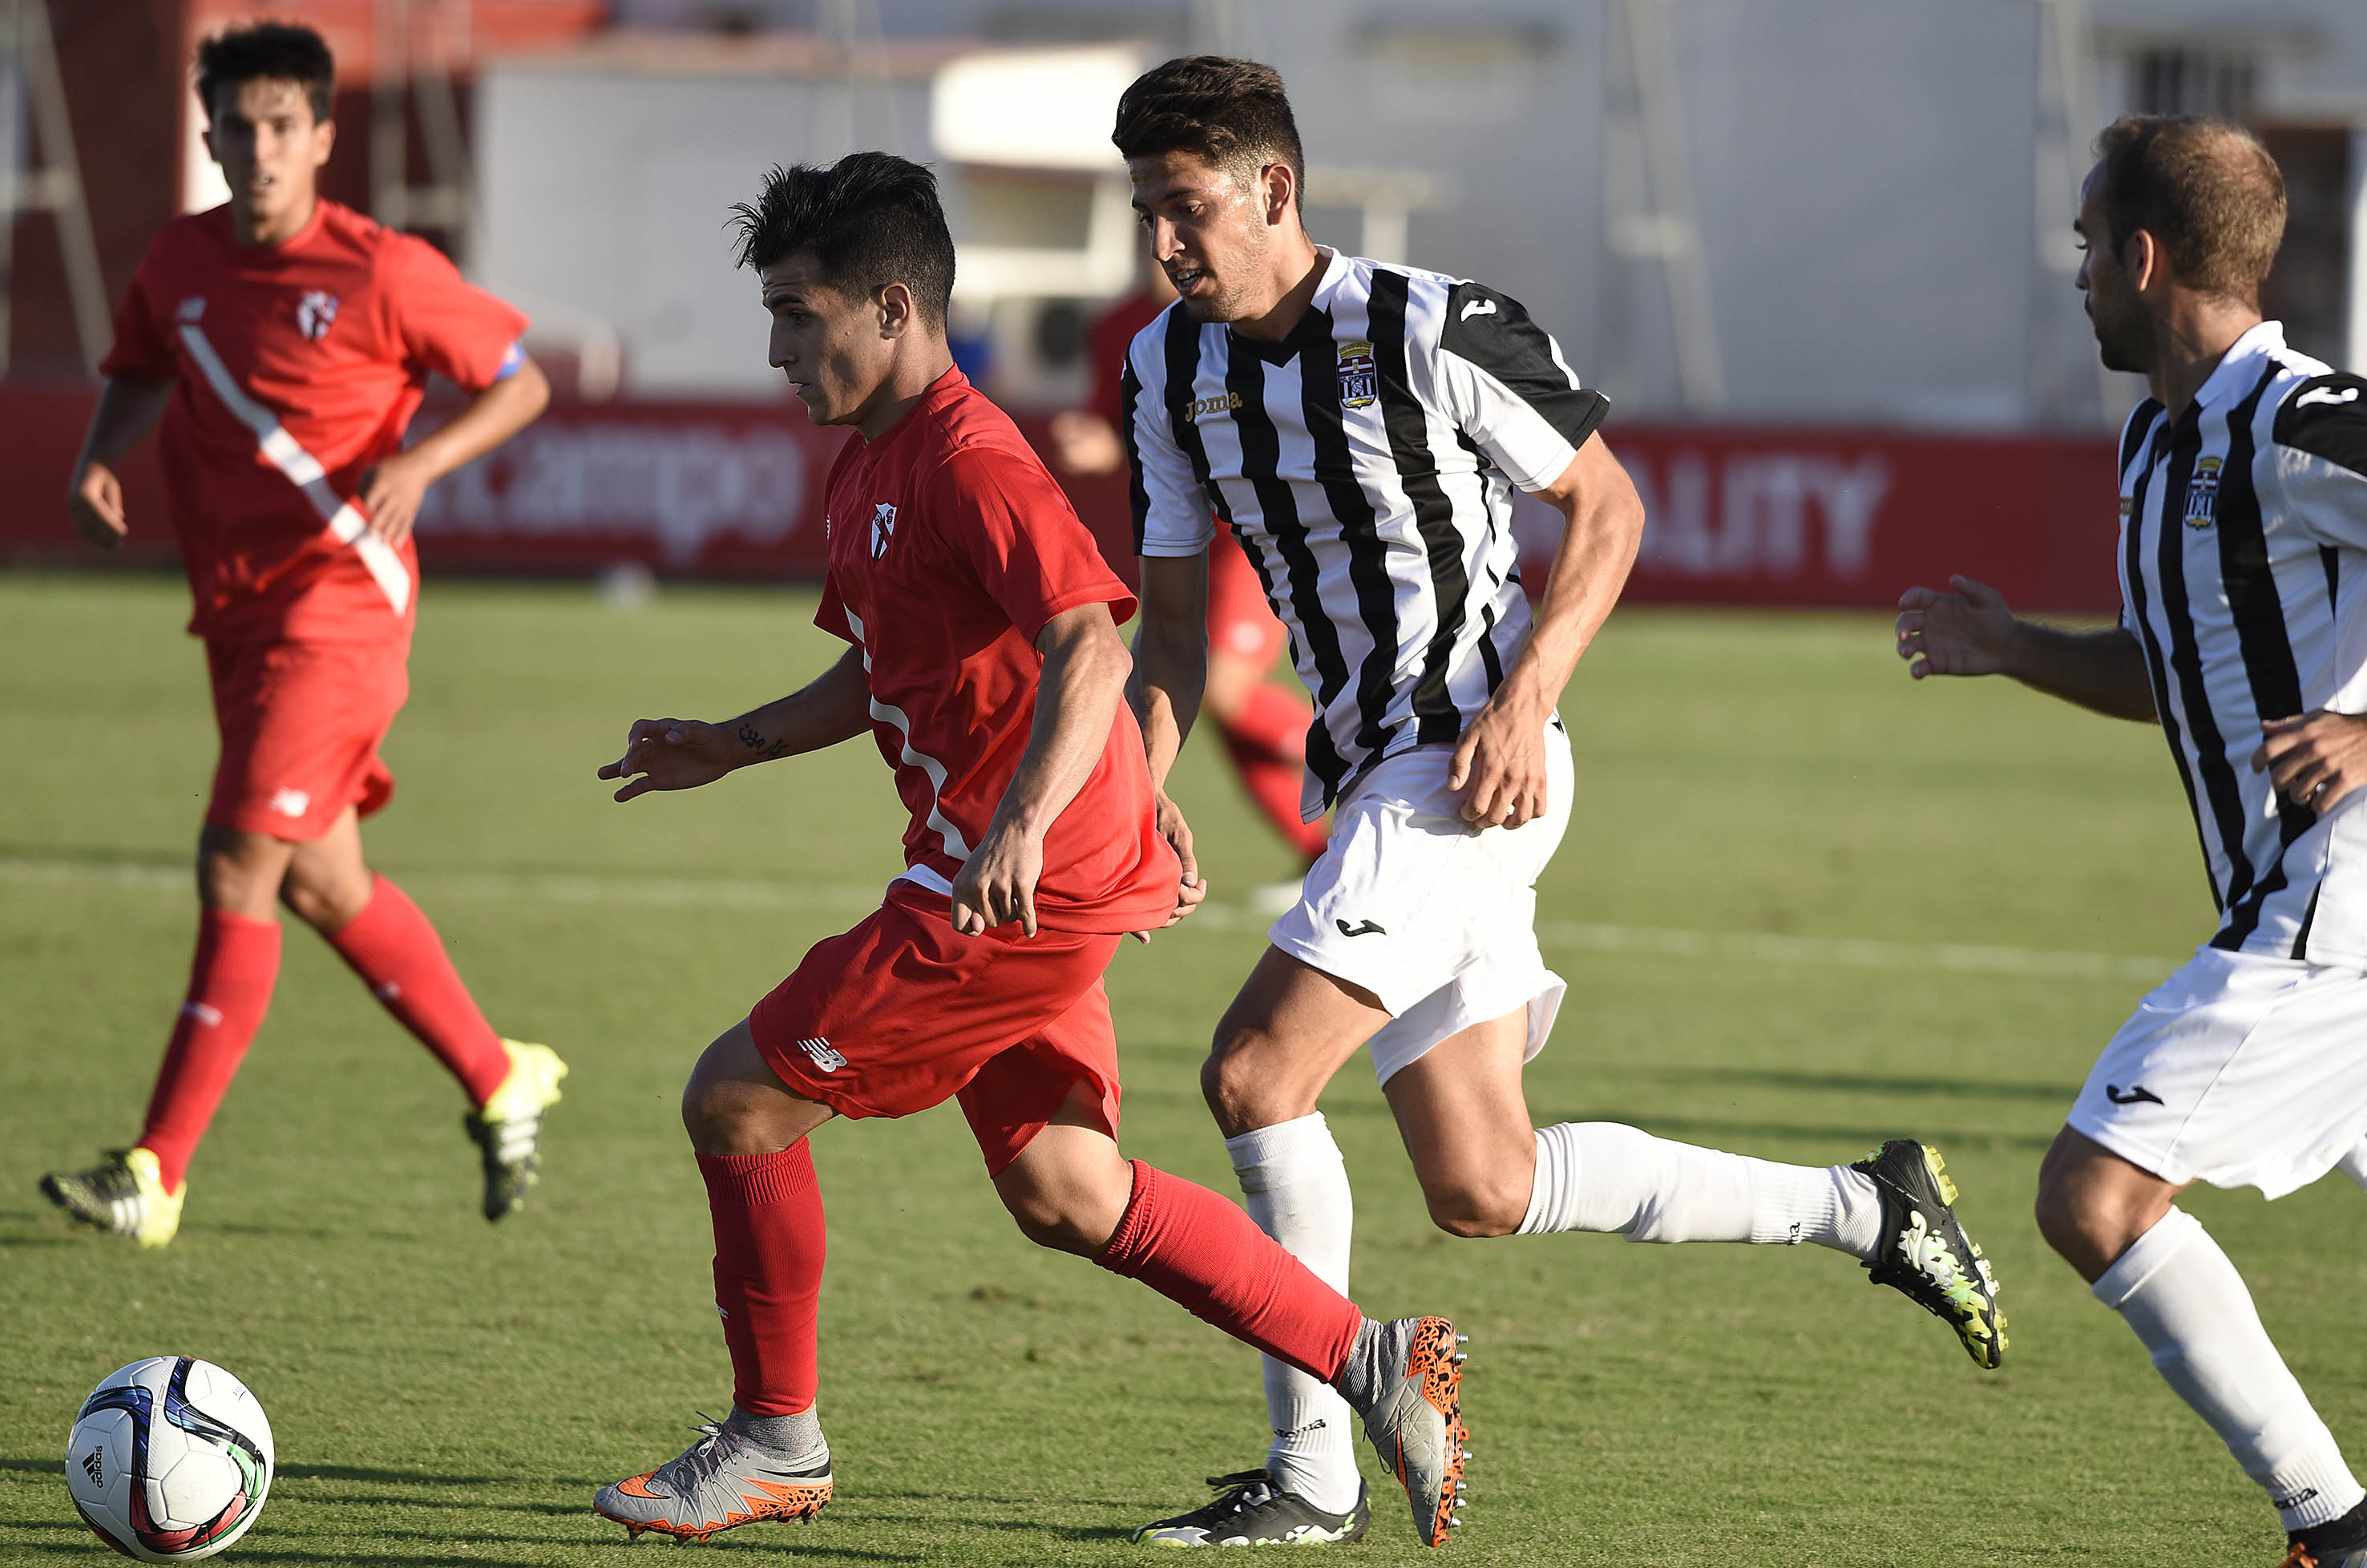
(1267, 741)
(399, 956)
(769, 1245)
(1203, 1253)
(229, 989)
(1271, 724)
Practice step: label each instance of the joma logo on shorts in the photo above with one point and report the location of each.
(826, 1059)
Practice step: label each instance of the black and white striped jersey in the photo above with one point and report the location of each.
(1366, 463)
(2243, 562)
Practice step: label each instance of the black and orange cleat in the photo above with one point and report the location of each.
(719, 1483)
(1405, 1380)
(2341, 1543)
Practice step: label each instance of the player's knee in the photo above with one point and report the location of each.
(1049, 1221)
(1477, 1206)
(718, 1119)
(1238, 1096)
(325, 903)
(2085, 1221)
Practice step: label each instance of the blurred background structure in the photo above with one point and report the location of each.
(1816, 250)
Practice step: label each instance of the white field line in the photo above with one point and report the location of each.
(684, 892)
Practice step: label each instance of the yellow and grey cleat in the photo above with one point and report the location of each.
(1925, 1253)
(507, 1130)
(125, 1195)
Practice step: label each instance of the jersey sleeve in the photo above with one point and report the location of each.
(1509, 389)
(446, 323)
(2321, 437)
(141, 348)
(1170, 510)
(831, 614)
(1003, 516)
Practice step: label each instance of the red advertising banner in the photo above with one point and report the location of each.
(1736, 517)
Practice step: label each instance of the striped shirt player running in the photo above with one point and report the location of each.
(1359, 428)
(2243, 548)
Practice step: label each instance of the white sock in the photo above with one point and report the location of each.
(1295, 1185)
(2187, 1302)
(1599, 1176)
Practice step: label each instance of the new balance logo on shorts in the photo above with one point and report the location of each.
(291, 802)
(826, 1059)
(2131, 1094)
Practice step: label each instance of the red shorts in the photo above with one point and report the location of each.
(1241, 622)
(300, 725)
(900, 1014)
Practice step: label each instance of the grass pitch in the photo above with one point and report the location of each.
(448, 1392)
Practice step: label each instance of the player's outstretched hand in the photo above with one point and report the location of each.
(1191, 887)
(95, 504)
(672, 754)
(997, 884)
(1500, 768)
(391, 494)
(1968, 632)
(2313, 760)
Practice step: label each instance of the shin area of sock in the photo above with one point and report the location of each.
(231, 978)
(1206, 1256)
(393, 947)
(2183, 1298)
(770, 1244)
(1294, 1185)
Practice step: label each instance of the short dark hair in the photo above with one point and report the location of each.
(269, 52)
(869, 219)
(2204, 188)
(1234, 113)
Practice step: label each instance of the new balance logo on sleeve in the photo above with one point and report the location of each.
(2242, 524)
(1366, 464)
(826, 1059)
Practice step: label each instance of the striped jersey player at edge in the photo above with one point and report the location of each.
(2243, 551)
(983, 660)
(1360, 428)
(285, 341)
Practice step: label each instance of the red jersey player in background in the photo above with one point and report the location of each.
(285, 341)
(983, 659)
(1261, 721)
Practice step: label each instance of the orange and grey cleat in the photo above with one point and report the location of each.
(1405, 1380)
(719, 1483)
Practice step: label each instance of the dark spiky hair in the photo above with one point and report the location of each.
(1234, 113)
(869, 219)
(268, 51)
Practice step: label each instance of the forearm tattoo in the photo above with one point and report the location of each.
(753, 739)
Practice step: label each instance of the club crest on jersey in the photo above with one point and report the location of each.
(2202, 494)
(883, 529)
(315, 311)
(1360, 378)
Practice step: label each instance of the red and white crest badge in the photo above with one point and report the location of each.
(883, 529)
(315, 311)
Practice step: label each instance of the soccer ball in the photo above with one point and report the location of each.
(169, 1460)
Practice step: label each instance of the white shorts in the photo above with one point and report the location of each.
(2239, 1070)
(1434, 917)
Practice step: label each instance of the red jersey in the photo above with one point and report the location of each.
(951, 549)
(295, 367)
